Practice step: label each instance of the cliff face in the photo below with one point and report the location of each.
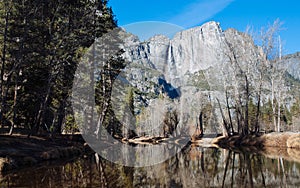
(194, 68)
(194, 50)
(293, 64)
(191, 52)
(187, 53)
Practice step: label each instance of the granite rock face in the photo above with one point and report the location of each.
(190, 51)
(293, 64)
(193, 69)
(187, 69)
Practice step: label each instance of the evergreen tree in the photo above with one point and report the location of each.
(41, 43)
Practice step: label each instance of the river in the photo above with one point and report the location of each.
(194, 166)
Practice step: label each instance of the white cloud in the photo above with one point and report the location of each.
(198, 12)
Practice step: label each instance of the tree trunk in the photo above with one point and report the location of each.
(273, 103)
(257, 111)
(200, 124)
(229, 113)
(3, 59)
(278, 111)
(60, 117)
(226, 168)
(246, 122)
(105, 103)
(14, 106)
(225, 124)
(42, 110)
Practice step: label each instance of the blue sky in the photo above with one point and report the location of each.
(230, 13)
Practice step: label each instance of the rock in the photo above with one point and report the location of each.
(189, 64)
(293, 64)
(189, 51)
(195, 65)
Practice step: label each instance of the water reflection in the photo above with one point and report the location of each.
(193, 167)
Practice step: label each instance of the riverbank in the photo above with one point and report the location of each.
(18, 151)
(280, 140)
(284, 145)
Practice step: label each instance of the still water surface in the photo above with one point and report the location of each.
(193, 167)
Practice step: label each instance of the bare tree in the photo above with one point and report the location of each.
(275, 69)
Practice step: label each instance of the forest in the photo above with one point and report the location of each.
(41, 43)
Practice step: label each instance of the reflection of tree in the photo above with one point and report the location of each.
(100, 169)
(193, 167)
(243, 172)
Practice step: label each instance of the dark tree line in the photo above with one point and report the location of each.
(41, 42)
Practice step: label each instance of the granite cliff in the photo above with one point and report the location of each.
(193, 68)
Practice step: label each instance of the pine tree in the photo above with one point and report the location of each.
(41, 43)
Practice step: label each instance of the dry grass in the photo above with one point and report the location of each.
(277, 139)
(275, 152)
(294, 154)
(289, 154)
(293, 141)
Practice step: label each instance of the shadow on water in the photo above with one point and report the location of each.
(193, 167)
